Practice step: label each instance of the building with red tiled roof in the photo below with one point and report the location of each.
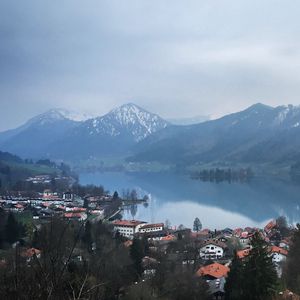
(278, 254)
(243, 253)
(270, 226)
(127, 227)
(76, 215)
(213, 271)
(31, 252)
(170, 237)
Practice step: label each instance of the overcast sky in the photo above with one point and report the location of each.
(175, 58)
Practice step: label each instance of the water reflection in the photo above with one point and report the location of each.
(180, 199)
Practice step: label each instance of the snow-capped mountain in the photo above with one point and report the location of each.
(127, 119)
(59, 133)
(35, 137)
(259, 133)
(59, 114)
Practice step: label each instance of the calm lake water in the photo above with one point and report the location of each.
(180, 199)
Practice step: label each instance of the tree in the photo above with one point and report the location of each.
(255, 278)
(197, 225)
(282, 226)
(12, 229)
(181, 227)
(292, 272)
(138, 250)
(140, 291)
(260, 271)
(185, 286)
(133, 195)
(115, 195)
(234, 281)
(167, 224)
(87, 236)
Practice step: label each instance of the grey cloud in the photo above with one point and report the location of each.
(172, 57)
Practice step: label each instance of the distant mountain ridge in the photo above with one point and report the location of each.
(259, 134)
(57, 134)
(256, 135)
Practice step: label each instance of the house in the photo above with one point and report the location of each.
(151, 227)
(68, 196)
(243, 253)
(49, 195)
(270, 226)
(227, 232)
(212, 249)
(80, 216)
(217, 288)
(278, 254)
(213, 271)
(127, 228)
(245, 238)
(30, 253)
(237, 232)
(149, 265)
(285, 244)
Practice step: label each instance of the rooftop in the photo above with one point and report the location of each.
(215, 270)
(129, 223)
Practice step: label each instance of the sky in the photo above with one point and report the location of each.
(175, 58)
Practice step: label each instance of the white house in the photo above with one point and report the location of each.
(127, 228)
(278, 254)
(212, 249)
(151, 227)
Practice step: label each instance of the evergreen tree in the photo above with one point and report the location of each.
(197, 225)
(259, 272)
(87, 236)
(115, 195)
(234, 281)
(137, 251)
(253, 278)
(11, 229)
(86, 203)
(292, 273)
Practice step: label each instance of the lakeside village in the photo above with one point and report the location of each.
(208, 252)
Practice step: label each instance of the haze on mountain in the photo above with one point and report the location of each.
(257, 135)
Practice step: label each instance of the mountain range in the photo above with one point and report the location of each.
(257, 135)
(56, 134)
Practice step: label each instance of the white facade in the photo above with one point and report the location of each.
(278, 257)
(211, 251)
(151, 228)
(127, 228)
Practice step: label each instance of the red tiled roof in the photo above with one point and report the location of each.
(72, 215)
(214, 242)
(270, 226)
(31, 252)
(169, 237)
(215, 270)
(132, 223)
(276, 249)
(127, 243)
(243, 253)
(19, 206)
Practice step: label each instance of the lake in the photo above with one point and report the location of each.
(180, 199)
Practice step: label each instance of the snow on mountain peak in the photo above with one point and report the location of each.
(59, 114)
(128, 118)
